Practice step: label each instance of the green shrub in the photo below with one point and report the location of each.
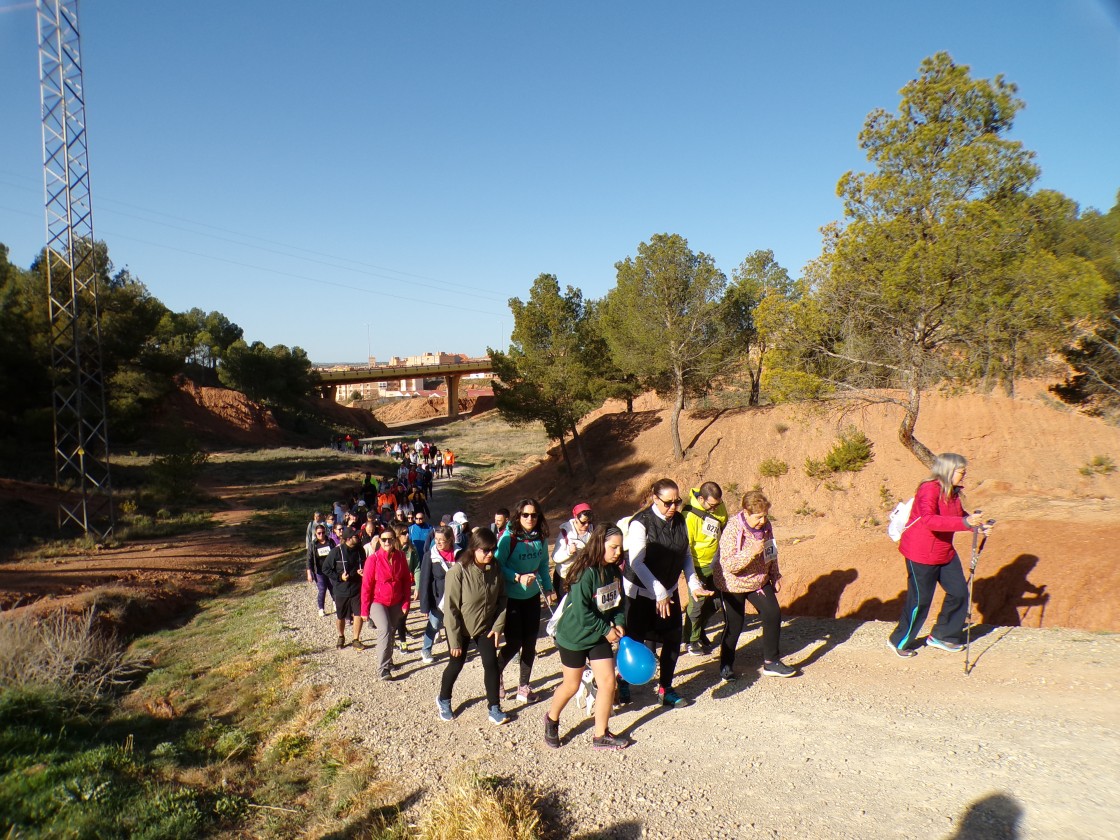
(851, 453)
(773, 468)
(817, 469)
(1099, 465)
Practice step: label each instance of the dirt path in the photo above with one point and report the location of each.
(862, 745)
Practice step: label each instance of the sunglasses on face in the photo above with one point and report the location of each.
(669, 503)
(529, 515)
(385, 539)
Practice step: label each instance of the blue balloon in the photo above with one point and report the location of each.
(636, 662)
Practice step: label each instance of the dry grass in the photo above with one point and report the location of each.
(476, 807)
(65, 652)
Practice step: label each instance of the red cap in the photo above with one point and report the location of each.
(582, 507)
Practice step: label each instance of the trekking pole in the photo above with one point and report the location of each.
(977, 547)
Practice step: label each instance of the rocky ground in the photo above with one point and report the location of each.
(861, 745)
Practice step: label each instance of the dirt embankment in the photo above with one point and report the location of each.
(412, 409)
(219, 417)
(1050, 562)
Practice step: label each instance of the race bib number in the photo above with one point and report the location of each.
(323, 550)
(711, 527)
(606, 597)
(770, 550)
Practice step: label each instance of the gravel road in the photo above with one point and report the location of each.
(862, 745)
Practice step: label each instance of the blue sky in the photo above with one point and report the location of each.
(310, 169)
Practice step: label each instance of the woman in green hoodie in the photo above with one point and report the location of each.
(591, 623)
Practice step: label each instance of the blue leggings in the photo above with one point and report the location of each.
(921, 583)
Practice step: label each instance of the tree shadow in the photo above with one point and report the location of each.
(374, 818)
(711, 417)
(995, 817)
(999, 597)
(822, 597)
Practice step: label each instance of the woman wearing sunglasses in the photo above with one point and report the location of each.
(386, 590)
(317, 552)
(657, 542)
(523, 556)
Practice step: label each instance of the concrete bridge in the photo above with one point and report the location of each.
(329, 380)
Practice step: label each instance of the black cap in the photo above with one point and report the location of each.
(347, 533)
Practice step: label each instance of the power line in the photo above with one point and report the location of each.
(367, 269)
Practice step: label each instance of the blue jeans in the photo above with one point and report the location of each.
(435, 622)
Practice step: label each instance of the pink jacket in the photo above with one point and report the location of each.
(386, 579)
(742, 565)
(928, 538)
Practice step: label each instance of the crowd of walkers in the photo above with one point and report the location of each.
(485, 587)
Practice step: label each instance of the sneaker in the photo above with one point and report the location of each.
(707, 645)
(322, 613)
(696, 649)
(622, 693)
(727, 675)
(608, 741)
(358, 644)
(444, 707)
(403, 646)
(341, 642)
(426, 657)
(526, 695)
(551, 732)
(497, 716)
(904, 653)
(670, 698)
(386, 676)
(777, 668)
(940, 644)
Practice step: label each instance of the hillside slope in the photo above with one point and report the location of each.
(1050, 562)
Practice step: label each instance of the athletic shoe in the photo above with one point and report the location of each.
(707, 645)
(622, 694)
(671, 699)
(940, 644)
(526, 695)
(341, 642)
(551, 732)
(727, 675)
(610, 742)
(497, 716)
(696, 649)
(358, 644)
(402, 646)
(904, 653)
(386, 676)
(444, 707)
(322, 613)
(426, 656)
(777, 668)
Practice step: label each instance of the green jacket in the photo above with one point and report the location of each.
(520, 557)
(704, 529)
(594, 605)
(475, 602)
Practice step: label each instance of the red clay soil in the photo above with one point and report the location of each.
(1051, 561)
(411, 409)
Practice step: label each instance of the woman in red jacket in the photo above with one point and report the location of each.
(927, 545)
(386, 589)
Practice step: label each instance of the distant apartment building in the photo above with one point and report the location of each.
(411, 386)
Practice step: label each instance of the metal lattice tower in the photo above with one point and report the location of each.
(81, 437)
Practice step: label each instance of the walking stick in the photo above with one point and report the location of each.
(977, 547)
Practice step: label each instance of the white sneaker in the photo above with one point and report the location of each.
(322, 613)
(426, 656)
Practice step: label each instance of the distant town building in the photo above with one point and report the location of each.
(408, 387)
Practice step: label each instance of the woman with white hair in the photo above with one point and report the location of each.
(927, 546)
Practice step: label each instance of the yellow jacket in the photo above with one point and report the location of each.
(704, 529)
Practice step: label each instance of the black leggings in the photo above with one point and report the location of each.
(734, 605)
(523, 625)
(489, 655)
(644, 625)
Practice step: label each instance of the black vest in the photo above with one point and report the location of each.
(666, 547)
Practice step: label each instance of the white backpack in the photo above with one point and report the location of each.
(899, 520)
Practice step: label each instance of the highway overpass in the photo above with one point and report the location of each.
(328, 380)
